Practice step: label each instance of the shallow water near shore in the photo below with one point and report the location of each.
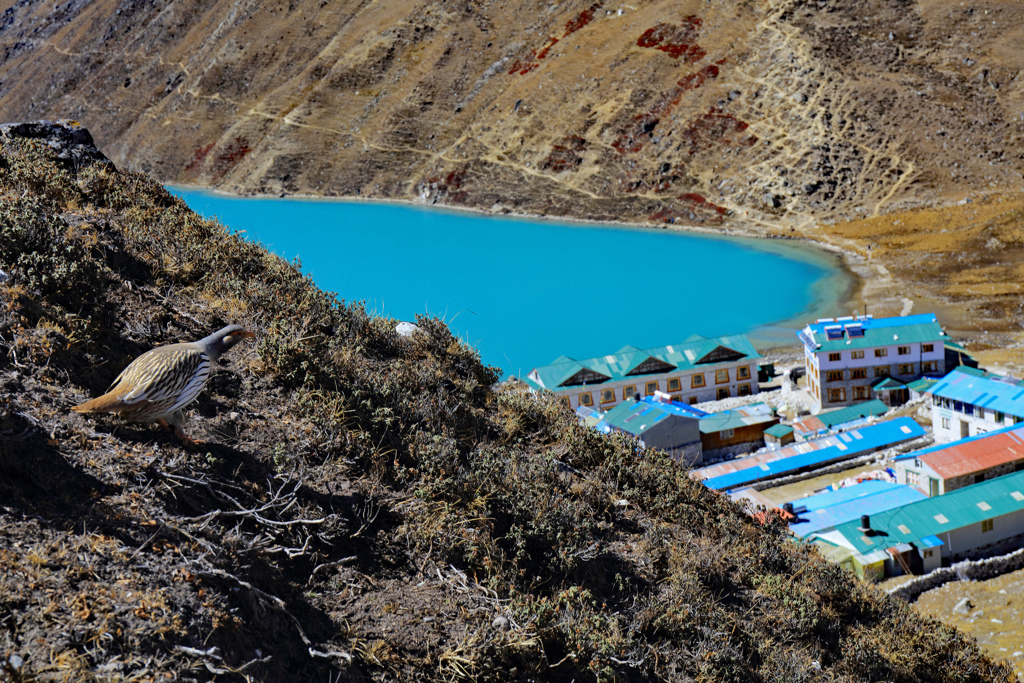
(527, 291)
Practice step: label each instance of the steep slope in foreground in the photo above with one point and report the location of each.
(366, 506)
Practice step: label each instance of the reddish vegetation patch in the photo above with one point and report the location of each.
(699, 201)
(565, 157)
(696, 208)
(199, 158)
(714, 128)
(676, 41)
(523, 67)
(581, 20)
(633, 138)
(224, 159)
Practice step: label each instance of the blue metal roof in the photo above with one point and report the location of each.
(1002, 394)
(849, 444)
(883, 498)
(843, 495)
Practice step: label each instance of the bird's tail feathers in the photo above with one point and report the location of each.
(107, 403)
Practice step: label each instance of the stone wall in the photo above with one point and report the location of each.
(968, 570)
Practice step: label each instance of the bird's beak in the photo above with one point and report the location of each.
(245, 333)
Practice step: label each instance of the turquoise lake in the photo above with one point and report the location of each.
(524, 292)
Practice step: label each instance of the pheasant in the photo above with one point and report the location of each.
(158, 385)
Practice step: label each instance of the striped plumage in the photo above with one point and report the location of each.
(157, 385)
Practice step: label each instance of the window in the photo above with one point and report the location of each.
(906, 368)
(882, 371)
(859, 373)
(565, 402)
(674, 384)
(743, 372)
(697, 381)
(628, 392)
(744, 390)
(836, 356)
(693, 400)
(860, 393)
(903, 350)
(834, 376)
(857, 354)
(929, 366)
(986, 526)
(836, 395)
(607, 395)
(721, 376)
(726, 434)
(650, 388)
(927, 348)
(678, 398)
(945, 423)
(586, 399)
(998, 417)
(927, 553)
(881, 353)
(723, 393)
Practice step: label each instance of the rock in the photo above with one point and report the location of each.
(963, 607)
(500, 622)
(405, 329)
(72, 142)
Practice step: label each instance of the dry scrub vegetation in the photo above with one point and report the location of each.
(367, 506)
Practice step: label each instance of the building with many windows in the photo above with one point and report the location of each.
(967, 402)
(846, 358)
(697, 370)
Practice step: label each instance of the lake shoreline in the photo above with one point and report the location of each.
(847, 287)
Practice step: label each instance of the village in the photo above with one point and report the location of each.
(885, 446)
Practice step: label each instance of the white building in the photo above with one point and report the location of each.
(968, 402)
(848, 358)
(697, 370)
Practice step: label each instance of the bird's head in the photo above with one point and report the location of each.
(220, 341)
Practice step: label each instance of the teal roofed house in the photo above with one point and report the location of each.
(659, 423)
(696, 370)
(740, 430)
(917, 538)
(859, 358)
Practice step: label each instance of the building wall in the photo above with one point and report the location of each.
(743, 435)
(848, 384)
(963, 542)
(673, 435)
(951, 423)
(686, 392)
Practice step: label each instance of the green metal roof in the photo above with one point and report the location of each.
(923, 384)
(962, 507)
(695, 352)
(888, 384)
(779, 431)
(737, 418)
(637, 417)
(832, 418)
(876, 332)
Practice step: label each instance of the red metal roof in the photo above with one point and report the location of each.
(976, 455)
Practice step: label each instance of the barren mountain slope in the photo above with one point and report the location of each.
(661, 110)
(775, 118)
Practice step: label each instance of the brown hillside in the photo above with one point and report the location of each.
(367, 507)
(781, 118)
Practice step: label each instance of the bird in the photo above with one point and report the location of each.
(156, 386)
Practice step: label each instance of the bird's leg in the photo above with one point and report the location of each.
(178, 432)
